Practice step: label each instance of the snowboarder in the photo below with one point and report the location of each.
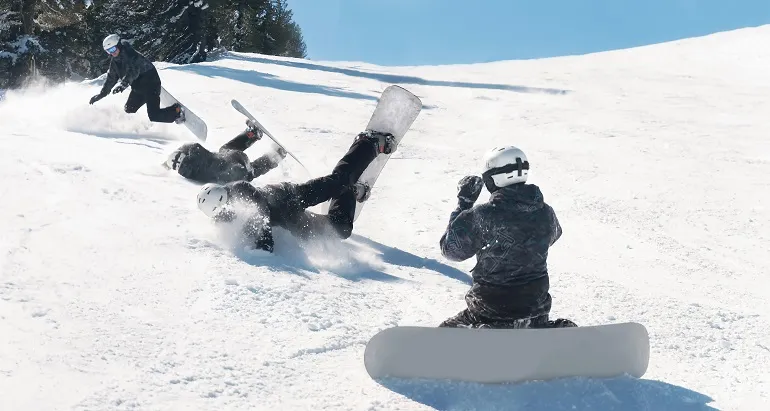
(510, 236)
(136, 71)
(230, 164)
(284, 204)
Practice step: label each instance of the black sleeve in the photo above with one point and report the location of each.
(462, 238)
(262, 165)
(557, 231)
(112, 78)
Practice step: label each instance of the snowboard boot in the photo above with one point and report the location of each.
(253, 131)
(180, 118)
(363, 191)
(385, 143)
(561, 323)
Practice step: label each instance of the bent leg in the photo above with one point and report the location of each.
(160, 115)
(135, 101)
(342, 211)
(350, 167)
(151, 89)
(462, 319)
(241, 142)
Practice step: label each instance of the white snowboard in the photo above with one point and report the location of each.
(507, 356)
(238, 106)
(396, 110)
(193, 122)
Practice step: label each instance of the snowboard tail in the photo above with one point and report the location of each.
(241, 109)
(395, 112)
(507, 355)
(193, 122)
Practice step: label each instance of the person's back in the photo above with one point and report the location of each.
(518, 228)
(510, 236)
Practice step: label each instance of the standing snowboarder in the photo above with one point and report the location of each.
(510, 236)
(230, 164)
(136, 71)
(284, 204)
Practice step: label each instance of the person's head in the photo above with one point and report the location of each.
(212, 199)
(504, 166)
(111, 45)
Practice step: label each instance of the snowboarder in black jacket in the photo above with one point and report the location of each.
(229, 164)
(510, 236)
(284, 204)
(136, 71)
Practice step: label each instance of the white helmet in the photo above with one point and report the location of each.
(504, 166)
(211, 199)
(110, 41)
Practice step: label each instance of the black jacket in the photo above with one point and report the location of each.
(126, 67)
(225, 166)
(510, 236)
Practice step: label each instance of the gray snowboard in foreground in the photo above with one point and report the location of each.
(192, 121)
(239, 107)
(508, 356)
(396, 110)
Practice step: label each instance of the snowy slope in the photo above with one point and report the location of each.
(116, 293)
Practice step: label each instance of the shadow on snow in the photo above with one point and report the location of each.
(399, 79)
(268, 80)
(621, 394)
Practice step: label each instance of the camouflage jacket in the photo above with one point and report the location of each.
(126, 67)
(510, 236)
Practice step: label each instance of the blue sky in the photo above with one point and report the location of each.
(419, 32)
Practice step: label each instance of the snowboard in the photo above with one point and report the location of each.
(192, 121)
(508, 355)
(396, 110)
(239, 107)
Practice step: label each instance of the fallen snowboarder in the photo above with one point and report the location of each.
(284, 204)
(510, 236)
(230, 164)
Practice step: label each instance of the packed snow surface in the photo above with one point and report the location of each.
(117, 293)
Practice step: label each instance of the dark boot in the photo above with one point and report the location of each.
(561, 323)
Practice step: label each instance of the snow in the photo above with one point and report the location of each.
(117, 293)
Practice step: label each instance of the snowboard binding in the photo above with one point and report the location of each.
(254, 130)
(385, 143)
(363, 191)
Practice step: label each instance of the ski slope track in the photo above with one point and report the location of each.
(116, 293)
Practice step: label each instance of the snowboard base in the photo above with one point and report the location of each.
(396, 110)
(506, 355)
(239, 107)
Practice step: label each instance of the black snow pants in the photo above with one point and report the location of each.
(146, 90)
(522, 306)
(287, 203)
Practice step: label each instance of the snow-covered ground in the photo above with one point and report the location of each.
(116, 293)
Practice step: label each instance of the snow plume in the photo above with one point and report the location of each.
(323, 253)
(65, 107)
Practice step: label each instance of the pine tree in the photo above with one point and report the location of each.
(18, 43)
(278, 34)
(179, 34)
(61, 39)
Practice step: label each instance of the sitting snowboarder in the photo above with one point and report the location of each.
(230, 164)
(510, 236)
(136, 71)
(284, 204)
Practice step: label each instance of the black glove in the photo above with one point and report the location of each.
(468, 190)
(120, 88)
(95, 98)
(281, 152)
